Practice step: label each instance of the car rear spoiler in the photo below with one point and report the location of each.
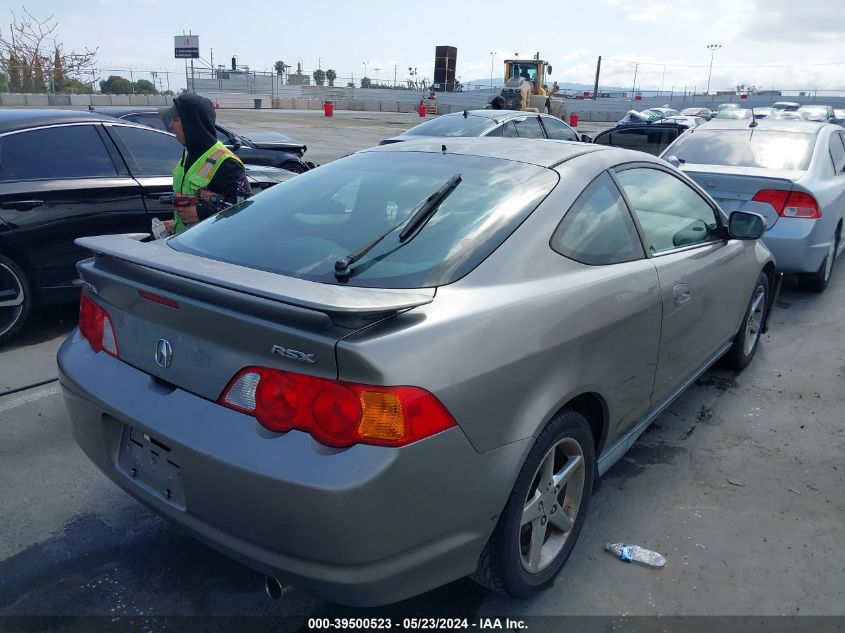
(327, 298)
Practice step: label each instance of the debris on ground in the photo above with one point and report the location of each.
(794, 490)
(734, 482)
(635, 554)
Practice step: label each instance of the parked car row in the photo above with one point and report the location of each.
(557, 295)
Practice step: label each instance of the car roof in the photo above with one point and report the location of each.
(119, 111)
(494, 115)
(540, 152)
(20, 118)
(777, 125)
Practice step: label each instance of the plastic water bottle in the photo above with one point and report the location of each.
(635, 554)
(159, 230)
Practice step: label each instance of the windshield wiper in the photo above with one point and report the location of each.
(415, 221)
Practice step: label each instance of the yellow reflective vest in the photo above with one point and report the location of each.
(198, 176)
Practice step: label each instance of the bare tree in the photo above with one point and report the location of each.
(31, 53)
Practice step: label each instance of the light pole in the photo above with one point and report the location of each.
(376, 71)
(492, 57)
(365, 68)
(712, 48)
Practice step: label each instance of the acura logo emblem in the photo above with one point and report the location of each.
(164, 353)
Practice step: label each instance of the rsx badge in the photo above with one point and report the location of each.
(292, 353)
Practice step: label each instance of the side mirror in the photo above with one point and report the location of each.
(549, 66)
(743, 225)
(674, 161)
(586, 138)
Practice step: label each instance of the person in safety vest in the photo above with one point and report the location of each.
(209, 177)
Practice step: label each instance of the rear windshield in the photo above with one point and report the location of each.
(771, 149)
(301, 227)
(457, 125)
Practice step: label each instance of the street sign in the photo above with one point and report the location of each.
(187, 46)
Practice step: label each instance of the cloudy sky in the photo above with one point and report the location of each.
(780, 43)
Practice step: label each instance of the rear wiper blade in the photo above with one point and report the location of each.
(423, 212)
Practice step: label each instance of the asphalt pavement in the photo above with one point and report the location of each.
(739, 485)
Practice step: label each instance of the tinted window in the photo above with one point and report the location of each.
(837, 153)
(771, 149)
(670, 212)
(528, 127)
(646, 139)
(453, 125)
(598, 229)
(559, 130)
(150, 120)
(154, 153)
(73, 151)
(303, 226)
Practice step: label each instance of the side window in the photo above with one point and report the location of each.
(509, 130)
(559, 130)
(837, 153)
(72, 151)
(528, 127)
(670, 212)
(497, 131)
(644, 139)
(598, 228)
(153, 153)
(150, 120)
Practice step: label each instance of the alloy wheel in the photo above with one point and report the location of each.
(552, 505)
(754, 324)
(12, 299)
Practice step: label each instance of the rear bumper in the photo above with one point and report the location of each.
(799, 245)
(365, 525)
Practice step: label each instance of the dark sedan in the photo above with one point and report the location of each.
(504, 123)
(68, 174)
(651, 138)
(255, 148)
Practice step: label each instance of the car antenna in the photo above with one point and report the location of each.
(753, 123)
(443, 148)
(466, 114)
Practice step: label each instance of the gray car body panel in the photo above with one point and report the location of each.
(504, 348)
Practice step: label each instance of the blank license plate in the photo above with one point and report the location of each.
(152, 465)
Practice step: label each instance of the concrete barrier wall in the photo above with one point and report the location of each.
(59, 101)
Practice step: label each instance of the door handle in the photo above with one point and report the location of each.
(681, 294)
(21, 205)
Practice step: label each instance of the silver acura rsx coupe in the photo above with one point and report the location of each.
(411, 364)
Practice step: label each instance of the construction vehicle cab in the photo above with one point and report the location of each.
(524, 86)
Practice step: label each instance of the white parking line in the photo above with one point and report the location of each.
(38, 393)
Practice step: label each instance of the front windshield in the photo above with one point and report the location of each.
(453, 125)
(301, 227)
(524, 71)
(771, 149)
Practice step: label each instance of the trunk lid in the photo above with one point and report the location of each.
(218, 318)
(734, 187)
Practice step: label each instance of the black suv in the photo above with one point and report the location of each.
(66, 174)
(259, 148)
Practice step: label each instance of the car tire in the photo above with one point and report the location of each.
(16, 298)
(817, 281)
(748, 337)
(294, 167)
(532, 540)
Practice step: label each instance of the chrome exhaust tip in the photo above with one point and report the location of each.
(273, 588)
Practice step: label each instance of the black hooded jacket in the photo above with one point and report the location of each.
(197, 116)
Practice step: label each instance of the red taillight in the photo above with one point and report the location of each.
(96, 326)
(790, 204)
(334, 412)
